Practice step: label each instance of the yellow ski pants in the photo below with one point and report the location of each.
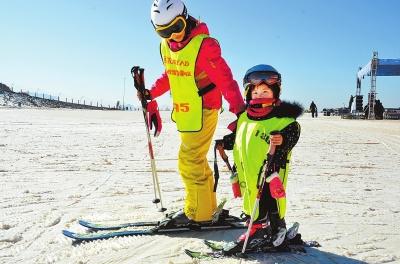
(197, 176)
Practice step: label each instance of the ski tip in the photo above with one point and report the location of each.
(212, 245)
(68, 233)
(83, 223)
(199, 255)
(191, 253)
(206, 241)
(204, 256)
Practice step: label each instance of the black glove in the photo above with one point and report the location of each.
(146, 95)
(229, 141)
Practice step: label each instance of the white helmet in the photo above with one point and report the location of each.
(164, 11)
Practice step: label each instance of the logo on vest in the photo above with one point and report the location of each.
(169, 60)
(179, 72)
(262, 135)
(180, 63)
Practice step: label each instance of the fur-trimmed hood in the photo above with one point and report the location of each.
(287, 109)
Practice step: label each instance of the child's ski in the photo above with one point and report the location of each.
(295, 245)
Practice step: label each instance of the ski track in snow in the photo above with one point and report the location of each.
(58, 166)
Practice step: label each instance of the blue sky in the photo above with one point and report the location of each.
(85, 49)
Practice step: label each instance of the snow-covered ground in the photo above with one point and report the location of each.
(57, 166)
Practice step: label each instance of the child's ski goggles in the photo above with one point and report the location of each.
(177, 25)
(256, 78)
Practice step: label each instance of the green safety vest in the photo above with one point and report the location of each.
(180, 66)
(249, 152)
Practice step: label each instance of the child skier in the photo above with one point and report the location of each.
(265, 113)
(197, 76)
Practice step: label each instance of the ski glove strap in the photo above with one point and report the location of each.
(153, 117)
(275, 186)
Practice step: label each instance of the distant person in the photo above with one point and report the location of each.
(197, 76)
(313, 109)
(267, 121)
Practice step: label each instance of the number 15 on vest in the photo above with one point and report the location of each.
(181, 107)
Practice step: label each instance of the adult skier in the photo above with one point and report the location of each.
(197, 77)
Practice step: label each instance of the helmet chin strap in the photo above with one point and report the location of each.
(261, 107)
(263, 102)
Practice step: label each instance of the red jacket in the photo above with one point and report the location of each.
(210, 68)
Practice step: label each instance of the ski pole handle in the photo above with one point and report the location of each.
(138, 77)
(271, 146)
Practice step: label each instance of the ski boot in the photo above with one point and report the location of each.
(292, 231)
(278, 228)
(177, 219)
(259, 236)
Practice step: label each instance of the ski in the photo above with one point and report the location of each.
(99, 226)
(218, 246)
(295, 245)
(104, 227)
(220, 254)
(204, 255)
(225, 224)
(80, 237)
(219, 212)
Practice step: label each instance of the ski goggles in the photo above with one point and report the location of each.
(256, 78)
(177, 26)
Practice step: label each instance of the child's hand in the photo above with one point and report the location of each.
(276, 139)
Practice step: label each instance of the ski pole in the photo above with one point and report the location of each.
(219, 145)
(263, 171)
(138, 77)
(216, 171)
(234, 176)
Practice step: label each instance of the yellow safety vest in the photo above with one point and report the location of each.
(249, 152)
(180, 67)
